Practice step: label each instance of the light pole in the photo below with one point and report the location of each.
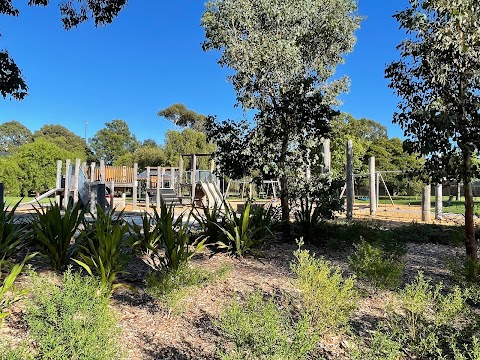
(86, 124)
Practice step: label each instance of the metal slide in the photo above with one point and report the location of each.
(43, 196)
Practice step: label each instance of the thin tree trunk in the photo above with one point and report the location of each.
(284, 198)
(470, 243)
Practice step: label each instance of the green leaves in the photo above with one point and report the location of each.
(12, 234)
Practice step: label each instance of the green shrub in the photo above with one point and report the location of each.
(262, 329)
(329, 299)
(105, 252)
(73, 321)
(380, 347)
(145, 238)
(12, 234)
(240, 234)
(54, 232)
(21, 352)
(172, 286)
(424, 321)
(211, 220)
(430, 234)
(469, 351)
(266, 219)
(8, 274)
(371, 263)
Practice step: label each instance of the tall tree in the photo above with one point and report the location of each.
(73, 13)
(13, 134)
(283, 54)
(188, 141)
(145, 155)
(181, 116)
(37, 162)
(113, 141)
(437, 79)
(63, 138)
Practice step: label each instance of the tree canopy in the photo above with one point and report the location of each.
(63, 138)
(187, 141)
(13, 134)
(437, 79)
(72, 14)
(283, 54)
(181, 116)
(113, 141)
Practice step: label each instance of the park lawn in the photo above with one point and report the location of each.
(12, 200)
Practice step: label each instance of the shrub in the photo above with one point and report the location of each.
(211, 221)
(21, 352)
(8, 276)
(73, 321)
(262, 329)
(469, 352)
(380, 347)
(54, 232)
(12, 234)
(172, 286)
(430, 233)
(423, 320)
(241, 234)
(328, 298)
(105, 252)
(371, 263)
(145, 238)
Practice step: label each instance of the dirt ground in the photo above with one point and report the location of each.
(151, 331)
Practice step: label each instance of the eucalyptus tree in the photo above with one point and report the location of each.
(13, 134)
(438, 81)
(283, 54)
(181, 116)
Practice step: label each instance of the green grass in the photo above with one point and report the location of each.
(457, 207)
(12, 200)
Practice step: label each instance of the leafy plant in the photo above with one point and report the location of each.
(54, 232)
(241, 235)
(329, 299)
(262, 329)
(266, 219)
(105, 252)
(8, 276)
(22, 352)
(73, 321)
(211, 221)
(370, 262)
(12, 234)
(146, 237)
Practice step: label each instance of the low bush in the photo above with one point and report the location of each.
(423, 323)
(73, 320)
(430, 234)
(211, 220)
(329, 299)
(105, 252)
(22, 352)
(265, 329)
(13, 234)
(172, 286)
(54, 230)
(371, 263)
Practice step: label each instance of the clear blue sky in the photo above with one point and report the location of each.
(150, 57)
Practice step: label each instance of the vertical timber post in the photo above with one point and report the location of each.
(426, 203)
(349, 181)
(194, 171)
(459, 193)
(180, 177)
(147, 197)
(159, 182)
(102, 171)
(327, 156)
(438, 201)
(76, 176)
(92, 172)
(378, 189)
(112, 193)
(101, 201)
(66, 190)
(58, 183)
(372, 185)
(135, 186)
(172, 178)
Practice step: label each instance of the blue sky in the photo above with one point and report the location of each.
(151, 57)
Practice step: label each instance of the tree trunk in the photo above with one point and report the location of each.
(470, 243)
(284, 198)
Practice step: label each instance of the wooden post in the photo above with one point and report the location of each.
(459, 194)
(66, 190)
(147, 197)
(76, 176)
(101, 201)
(350, 193)
(378, 189)
(84, 168)
(180, 176)
(159, 181)
(372, 187)
(212, 170)
(172, 178)
(2, 199)
(92, 172)
(135, 186)
(327, 156)
(194, 170)
(438, 201)
(102, 171)
(112, 193)
(426, 203)
(58, 183)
